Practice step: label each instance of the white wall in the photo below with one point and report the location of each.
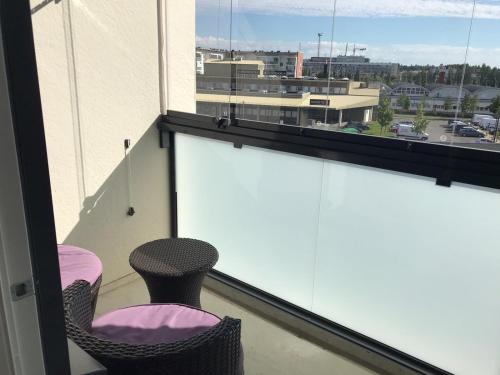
(181, 55)
(98, 66)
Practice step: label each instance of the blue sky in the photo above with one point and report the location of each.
(405, 31)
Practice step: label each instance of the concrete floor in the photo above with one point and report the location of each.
(269, 349)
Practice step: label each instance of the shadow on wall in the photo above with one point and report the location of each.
(104, 226)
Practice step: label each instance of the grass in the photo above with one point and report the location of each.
(375, 130)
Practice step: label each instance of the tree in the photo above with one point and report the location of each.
(423, 102)
(388, 79)
(495, 109)
(420, 121)
(423, 78)
(495, 106)
(448, 103)
(474, 103)
(357, 77)
(385, 113)
(404, 102)
(469, 103)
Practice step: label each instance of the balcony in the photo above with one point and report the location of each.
(269, 347)
(340, 253)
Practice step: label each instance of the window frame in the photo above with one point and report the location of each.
(447, 164)
(27, 116)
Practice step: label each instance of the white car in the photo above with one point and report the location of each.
(408, 132)
(487, 123)
(476, 118)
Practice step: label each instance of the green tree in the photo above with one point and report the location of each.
(495, 106)
(469, 103)
(404, 102)
(495, 109)
(423, 78)
(423, 102)
(385, 113)
(474, 103)
(357, 77)
(448, 103)
(420, 121)
(388, 79)
(468, 75)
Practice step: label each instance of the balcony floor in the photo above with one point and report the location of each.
(269, 349)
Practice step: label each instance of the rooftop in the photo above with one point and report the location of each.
(361, 98)
(236, 62)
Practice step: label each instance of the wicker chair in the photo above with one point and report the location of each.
(215, 351)
(76, 263)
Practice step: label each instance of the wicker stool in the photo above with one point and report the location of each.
(174, 269)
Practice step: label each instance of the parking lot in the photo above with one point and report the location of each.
(437, 130)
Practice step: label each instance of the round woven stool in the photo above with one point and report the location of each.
(174, 268)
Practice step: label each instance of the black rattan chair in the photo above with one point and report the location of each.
(213, 352)
(94, 293)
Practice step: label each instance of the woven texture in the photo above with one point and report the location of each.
(213, 352)
(174, 257)
(174, 269)
(94, 293)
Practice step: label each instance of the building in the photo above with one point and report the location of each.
(349, 66)
(289, 64)
(202, 56)
(234, 69)
(442, 98)
(287, 101)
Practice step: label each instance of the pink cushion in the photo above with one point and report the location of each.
(78, 264)
(153, 324)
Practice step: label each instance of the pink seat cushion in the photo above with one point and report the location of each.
(78, 264)
(153, 324)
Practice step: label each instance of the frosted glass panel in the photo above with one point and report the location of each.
(392, 256)
(411, 264)
(259, 208)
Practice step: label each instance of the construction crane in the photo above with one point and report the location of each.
(357, 49)
(319, 42)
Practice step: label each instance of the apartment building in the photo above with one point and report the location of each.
(287, 101)
(278, 63)
(226, 69)
(348, 66)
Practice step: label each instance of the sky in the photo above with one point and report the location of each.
(404, 31)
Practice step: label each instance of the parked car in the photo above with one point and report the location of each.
(487, 123)
(452, 123)
(408, 132)
(470, 132)
(394, 127)
(476, 118)
(351, 130)
(456, 127)
(358, 125)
